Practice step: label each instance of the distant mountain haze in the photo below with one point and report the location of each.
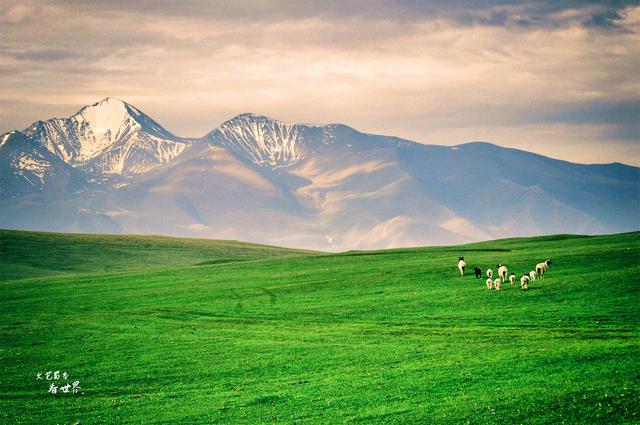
(112, 169)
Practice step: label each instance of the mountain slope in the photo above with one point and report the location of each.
(261, 140)
(366, 191)
(110, 137)
(205, 191)
(509, 191)
(326, 187)
(26, 167)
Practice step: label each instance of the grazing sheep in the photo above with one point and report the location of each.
(512, 278)
(502, 272)
(541, 268)
(490, 273)
(524, 282)
(489, 283)
(497, 283)
(478, 272)
(532, 275)
(461, 265)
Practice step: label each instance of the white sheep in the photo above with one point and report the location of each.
(461, 266)
(532, 275)
(512, 278)
(502, 272)
(490, 273)
(489, 283)
(524, 282)
(497, 283)
(542, 267)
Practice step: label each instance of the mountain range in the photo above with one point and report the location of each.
(112, 169)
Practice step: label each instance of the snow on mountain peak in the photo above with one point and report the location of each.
(260, 139)
(250, 116)
(5, 137)
(105, 118)
(109, 136)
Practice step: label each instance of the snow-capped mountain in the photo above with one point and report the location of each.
(316, 186)
(260, 140)
(110, 137)
(27, 167)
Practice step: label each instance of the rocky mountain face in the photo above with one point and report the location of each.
(27, 167)
(110, 137)
(261, 140)
(113, 169)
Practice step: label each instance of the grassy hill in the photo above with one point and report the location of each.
(367, 337)
(31, 254)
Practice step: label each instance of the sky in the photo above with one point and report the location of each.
(560, 78)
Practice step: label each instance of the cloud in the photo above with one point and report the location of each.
(608, 18)
(16, 14)
(47, 55)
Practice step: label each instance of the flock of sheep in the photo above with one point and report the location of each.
(502, 274)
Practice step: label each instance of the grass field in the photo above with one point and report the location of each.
(364, 337)
(35, 254)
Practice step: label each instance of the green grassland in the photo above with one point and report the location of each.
(166, 331)
(31, 254)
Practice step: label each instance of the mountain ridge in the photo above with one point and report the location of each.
(328, 187)
(109, 136)
(275, 121)
(31, 168)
